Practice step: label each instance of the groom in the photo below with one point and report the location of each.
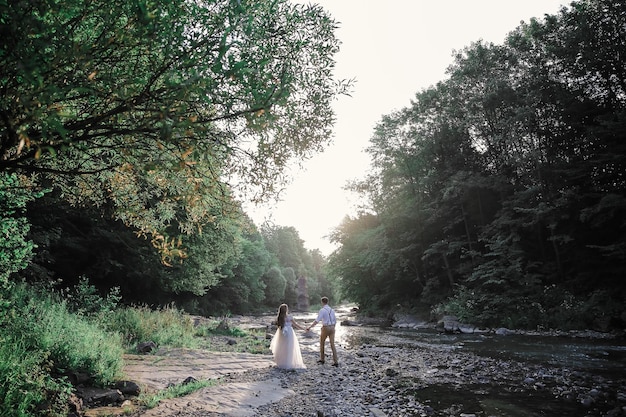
(328, 319)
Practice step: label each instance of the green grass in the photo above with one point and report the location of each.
(250, 341)
(79, 345)
(40, 342)
(175, 391)
(165, 327)
(24, 382)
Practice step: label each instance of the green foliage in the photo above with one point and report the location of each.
(41, 342)
(241, 289)
(218, 328)
(180, 390)
(207, 252)
(15, 249)
(154, 112)
(275, 285)
(544, 308)
(25, 382)
(503, 180)
(248, 341)
(76, 344)
(84, 299)
(166, 326)
(300, 266)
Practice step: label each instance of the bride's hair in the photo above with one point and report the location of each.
(282, 313)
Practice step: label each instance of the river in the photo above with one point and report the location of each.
(593, 355)
(509, 376)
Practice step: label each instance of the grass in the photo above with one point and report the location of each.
(214, 335)
(174, 328)
(175, 391)
(165, 327)
(41, 341)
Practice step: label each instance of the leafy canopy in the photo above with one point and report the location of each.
(159, 109)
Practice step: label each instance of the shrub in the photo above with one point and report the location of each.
(76, 344)
(83, 299)
(15, 249)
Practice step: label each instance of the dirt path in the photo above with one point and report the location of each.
(173, 366)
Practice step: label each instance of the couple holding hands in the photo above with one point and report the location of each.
(285, 346)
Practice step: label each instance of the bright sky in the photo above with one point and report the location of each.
(393, 49)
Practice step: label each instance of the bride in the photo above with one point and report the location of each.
(284, 345)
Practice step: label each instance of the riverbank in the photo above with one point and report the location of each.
(397, 377)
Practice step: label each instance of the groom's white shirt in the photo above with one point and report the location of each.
(326, 316)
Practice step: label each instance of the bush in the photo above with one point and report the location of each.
(78, 345)
(83, 299)
(549, 307)
(15, 250)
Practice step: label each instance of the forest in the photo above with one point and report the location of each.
(498, 195)
(132, 134)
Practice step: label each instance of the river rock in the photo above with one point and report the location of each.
(146, 347)
(128, 388)
(97, 397)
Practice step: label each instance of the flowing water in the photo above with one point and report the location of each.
(593, 355)
(605, 359)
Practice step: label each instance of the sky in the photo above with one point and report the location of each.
(393, 49)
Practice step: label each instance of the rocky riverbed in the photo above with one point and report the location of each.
(398, 377)
(404, 381)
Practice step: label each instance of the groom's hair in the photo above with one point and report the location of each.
(324, 300)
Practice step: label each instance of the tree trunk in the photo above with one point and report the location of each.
(450, 277)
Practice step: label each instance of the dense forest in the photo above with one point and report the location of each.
(499, 194)
(133, 132)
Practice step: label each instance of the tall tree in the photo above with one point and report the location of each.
(158, 109)
(504, 181)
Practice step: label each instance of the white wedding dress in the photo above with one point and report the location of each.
(286, 348)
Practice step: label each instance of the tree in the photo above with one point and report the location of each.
(159, 109)
(275, 285)
(242, 288)
(503, 186)
(299, 263)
